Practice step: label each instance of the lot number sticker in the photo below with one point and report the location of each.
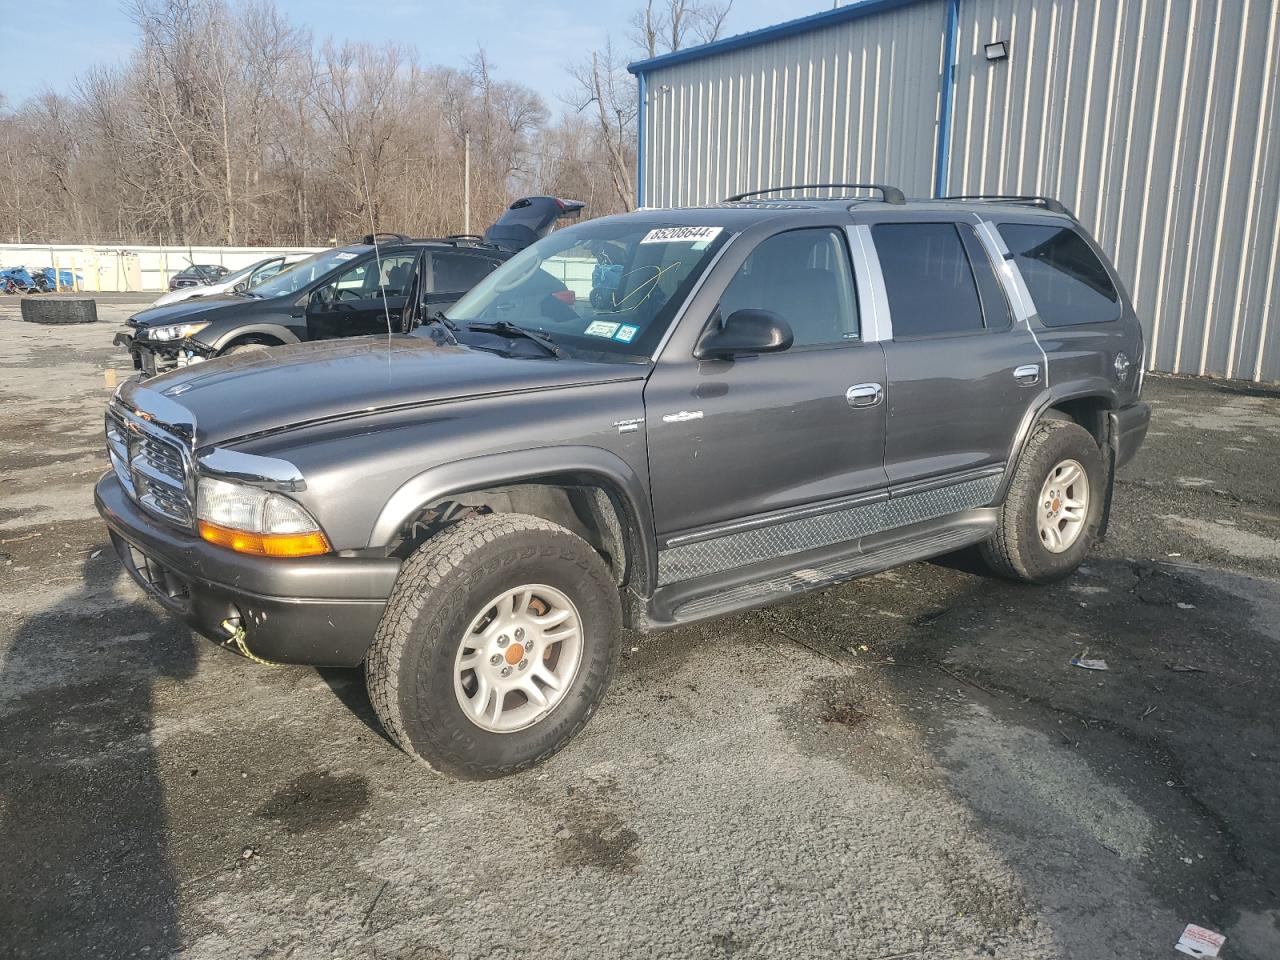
(626, 333)
(698, 235)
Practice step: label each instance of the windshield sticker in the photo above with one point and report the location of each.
(600, 328)
(344, 256)
(695, 235)
(626, 333)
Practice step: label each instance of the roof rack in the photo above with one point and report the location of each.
(887, 193)
(455, 240)
(1048, 203)
(369, 238)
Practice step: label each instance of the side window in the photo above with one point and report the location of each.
(928, 279)
(364, 281)
(804, 276)
(458, 272)
(995, 304)
(1067, 282)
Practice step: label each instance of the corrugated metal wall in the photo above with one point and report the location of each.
(1158, 123)
(854, 101)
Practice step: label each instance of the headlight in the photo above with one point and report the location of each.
(249, 520)
(177, 331)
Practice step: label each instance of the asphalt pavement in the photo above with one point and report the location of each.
(904, 767)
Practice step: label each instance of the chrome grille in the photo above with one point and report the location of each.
(150, 464)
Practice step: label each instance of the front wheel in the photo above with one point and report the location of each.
(497, 645)
(1053, 507)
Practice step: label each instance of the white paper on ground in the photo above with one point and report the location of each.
(1199, 942)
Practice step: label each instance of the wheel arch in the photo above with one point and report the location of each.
(1087, 405)
(238, 334)
(617, 513)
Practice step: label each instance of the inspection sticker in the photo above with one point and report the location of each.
(601, 328)
(626, 333)
(1199, 942)
(703, 235)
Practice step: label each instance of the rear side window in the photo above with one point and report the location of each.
(928, 279)
(1067, 282)
(458, 272)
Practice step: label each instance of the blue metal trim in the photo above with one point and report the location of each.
(851, 11)
(642, 93)
(942, 162)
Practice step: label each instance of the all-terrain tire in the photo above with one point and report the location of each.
(1016, 550)
(60, 310)
(441, 589)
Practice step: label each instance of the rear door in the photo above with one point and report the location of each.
(450, 274)
(360, 299)
(741, 440)
(961, 374)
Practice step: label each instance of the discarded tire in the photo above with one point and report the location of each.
(53, 310)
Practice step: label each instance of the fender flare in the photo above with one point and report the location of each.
(1036, 411)
(280, 332)
(592, 466)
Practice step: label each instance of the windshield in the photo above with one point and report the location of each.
(303, 272)
(604, 290)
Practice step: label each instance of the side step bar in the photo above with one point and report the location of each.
(680, 604)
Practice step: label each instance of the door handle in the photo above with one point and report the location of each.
(864, 394)
(1028, 374)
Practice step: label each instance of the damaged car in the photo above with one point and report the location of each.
(348, 291)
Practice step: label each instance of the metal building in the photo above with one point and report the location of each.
(1156, 121)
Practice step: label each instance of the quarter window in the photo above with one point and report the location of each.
(459, 272)
(928, 279)
(1067, 282)
(803, 276)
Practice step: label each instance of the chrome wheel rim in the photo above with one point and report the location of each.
(518, 658)
(1063, 506)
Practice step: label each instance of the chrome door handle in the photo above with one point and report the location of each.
(1028, 374)
(864, 394)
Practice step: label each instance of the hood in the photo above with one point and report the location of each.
(185, 310)
(261, 391)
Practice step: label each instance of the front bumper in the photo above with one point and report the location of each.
(1128, 430)
(321, 611)
(153, 356)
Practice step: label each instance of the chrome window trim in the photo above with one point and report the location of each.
(1011, 278)
(873, 299)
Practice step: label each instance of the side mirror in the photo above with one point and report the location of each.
(241, 287)
(745, 332)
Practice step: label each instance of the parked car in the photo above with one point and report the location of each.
(197, 274)
(355, 290)
(238, 281)
(769, 399)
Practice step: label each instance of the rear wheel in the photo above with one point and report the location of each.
(497, 645)
(1050, 516)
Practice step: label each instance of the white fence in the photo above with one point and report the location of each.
(109, 267)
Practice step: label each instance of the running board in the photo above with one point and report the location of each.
(870, 555)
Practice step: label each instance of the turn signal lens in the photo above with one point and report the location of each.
(265, 544)
(248, 519)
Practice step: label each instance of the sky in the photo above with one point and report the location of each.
(530, 41)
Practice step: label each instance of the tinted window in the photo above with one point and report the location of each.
(995, 305)
(458, 272)
(805, 278)
(1067, 282)
(928, 279)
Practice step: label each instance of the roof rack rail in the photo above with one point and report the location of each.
(1048, 203)
(371, 237)
(887, 193)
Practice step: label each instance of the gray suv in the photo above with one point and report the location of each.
(641, 421)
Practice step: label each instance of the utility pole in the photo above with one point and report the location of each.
(466, 183)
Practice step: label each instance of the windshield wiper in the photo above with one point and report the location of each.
(440, 318)
(507, 328)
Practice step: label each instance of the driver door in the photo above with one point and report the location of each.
(359, 300)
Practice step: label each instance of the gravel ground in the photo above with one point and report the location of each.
(904, 767)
